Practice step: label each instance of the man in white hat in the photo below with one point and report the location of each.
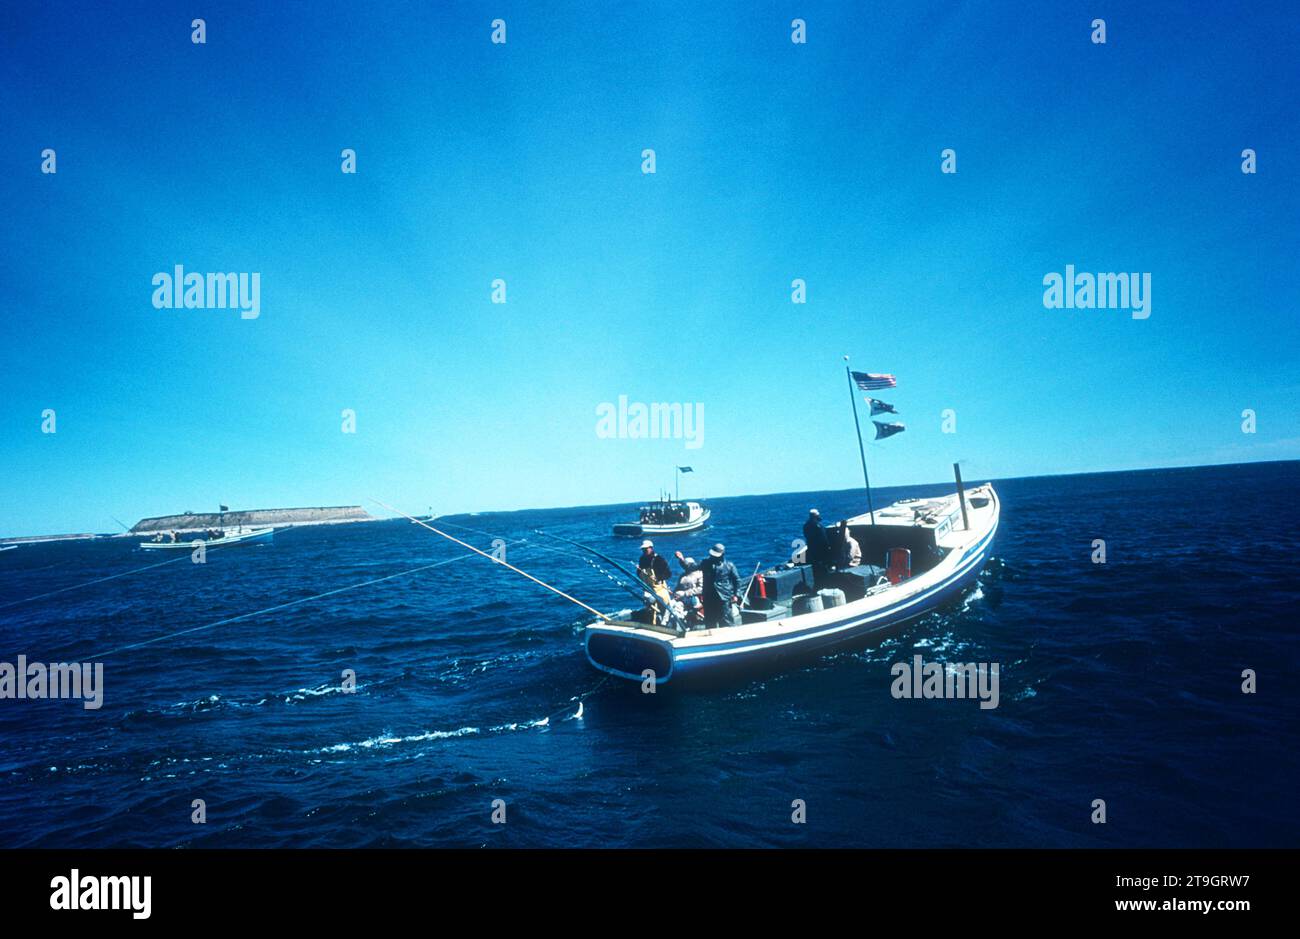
(654, 570)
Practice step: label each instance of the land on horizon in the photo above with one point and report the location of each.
(202, 520)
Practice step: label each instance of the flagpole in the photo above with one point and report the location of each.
(853, 397)
(677, 479)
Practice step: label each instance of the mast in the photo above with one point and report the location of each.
(961, 495)
(853, 397)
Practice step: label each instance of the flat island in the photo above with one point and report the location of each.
(252, 518)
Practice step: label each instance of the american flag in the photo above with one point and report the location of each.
(871, 382)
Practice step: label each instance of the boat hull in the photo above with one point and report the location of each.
(252, 537)
(680, 528)
(628, 650)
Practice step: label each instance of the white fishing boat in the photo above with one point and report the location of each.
(188, 540)
(667, 517)
(919, 554)
(928, 551)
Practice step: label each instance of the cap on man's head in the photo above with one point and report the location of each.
(814, 512)
(717, 550)
(690, 562)
(647, 544)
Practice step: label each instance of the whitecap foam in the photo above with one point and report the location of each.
(388, 740)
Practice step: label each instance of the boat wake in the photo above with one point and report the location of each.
(573, 710)
(172, 767)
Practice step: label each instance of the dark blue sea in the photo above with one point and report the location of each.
(1118, 681)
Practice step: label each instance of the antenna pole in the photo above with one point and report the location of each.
(961, 495)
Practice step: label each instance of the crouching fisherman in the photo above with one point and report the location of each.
(850, 552)
(690, 589)
(721, 594)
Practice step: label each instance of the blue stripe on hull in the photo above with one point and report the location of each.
(765, 653)
(973, 562)
(684, 668)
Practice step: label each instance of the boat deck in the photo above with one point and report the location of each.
(940, 515)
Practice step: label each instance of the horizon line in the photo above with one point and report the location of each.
(793, 492)
(746, 495)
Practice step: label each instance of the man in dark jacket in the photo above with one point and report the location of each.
(654, 573)
(721, 589)
(819, 546)
(651, 566)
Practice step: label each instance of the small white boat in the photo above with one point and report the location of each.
(930, 551)
(187, 541)
(668, 517)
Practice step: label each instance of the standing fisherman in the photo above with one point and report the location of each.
(654, 571)
(721, 589)
(819, 546)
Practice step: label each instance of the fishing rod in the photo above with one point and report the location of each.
(632, 591)
(658, 600)
(604, 557)
(590, 550)
(744, 597)
(639, 594)
(495, 560)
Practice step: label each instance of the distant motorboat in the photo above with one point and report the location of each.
(667, 517)
(227, 537)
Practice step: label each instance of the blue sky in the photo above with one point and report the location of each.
(775, 161)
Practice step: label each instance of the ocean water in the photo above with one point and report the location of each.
(1118, 681)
